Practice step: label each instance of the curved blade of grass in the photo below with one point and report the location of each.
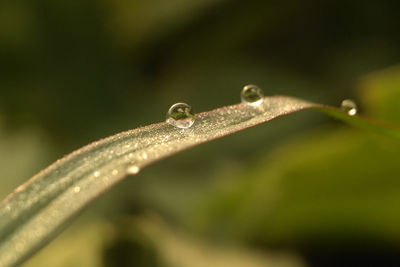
(37, 210)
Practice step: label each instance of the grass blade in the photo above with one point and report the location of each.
(37, 210)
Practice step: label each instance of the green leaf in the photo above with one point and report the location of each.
(332, 187)
(37, 210)
(381, 94)
(336, 185)
(178, 248)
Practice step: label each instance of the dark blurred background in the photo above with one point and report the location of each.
(300, 191)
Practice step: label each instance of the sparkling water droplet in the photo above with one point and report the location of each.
(349, 106)
(252, 95)
(132, 169)
(180, 115)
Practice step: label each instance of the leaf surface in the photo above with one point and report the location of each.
(37, 210)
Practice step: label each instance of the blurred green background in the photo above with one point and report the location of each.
(303, 190)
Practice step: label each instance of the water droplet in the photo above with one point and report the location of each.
(349, 106)
(114, 172)
(180, 115)
(77, 189)
(132, 169)
(252, 95)
(96, 173)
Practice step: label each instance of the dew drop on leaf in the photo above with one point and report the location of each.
(180, 115)
(252, 95)
(132, 169)
(349, 106)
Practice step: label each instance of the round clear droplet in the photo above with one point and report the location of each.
(252, 95)
(180, 115)
(349, 106)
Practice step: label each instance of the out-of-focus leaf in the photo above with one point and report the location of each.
(180, 249)
(338, 185)
(21, 151)
(381, 94)
(80, 245)
(37, 210)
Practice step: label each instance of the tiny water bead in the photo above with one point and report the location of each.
(349, 106)
(252, 95)
(180, 115)
(132, 169)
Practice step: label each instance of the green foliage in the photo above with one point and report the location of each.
(37, 210)
(337, 185)
(75, 71)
